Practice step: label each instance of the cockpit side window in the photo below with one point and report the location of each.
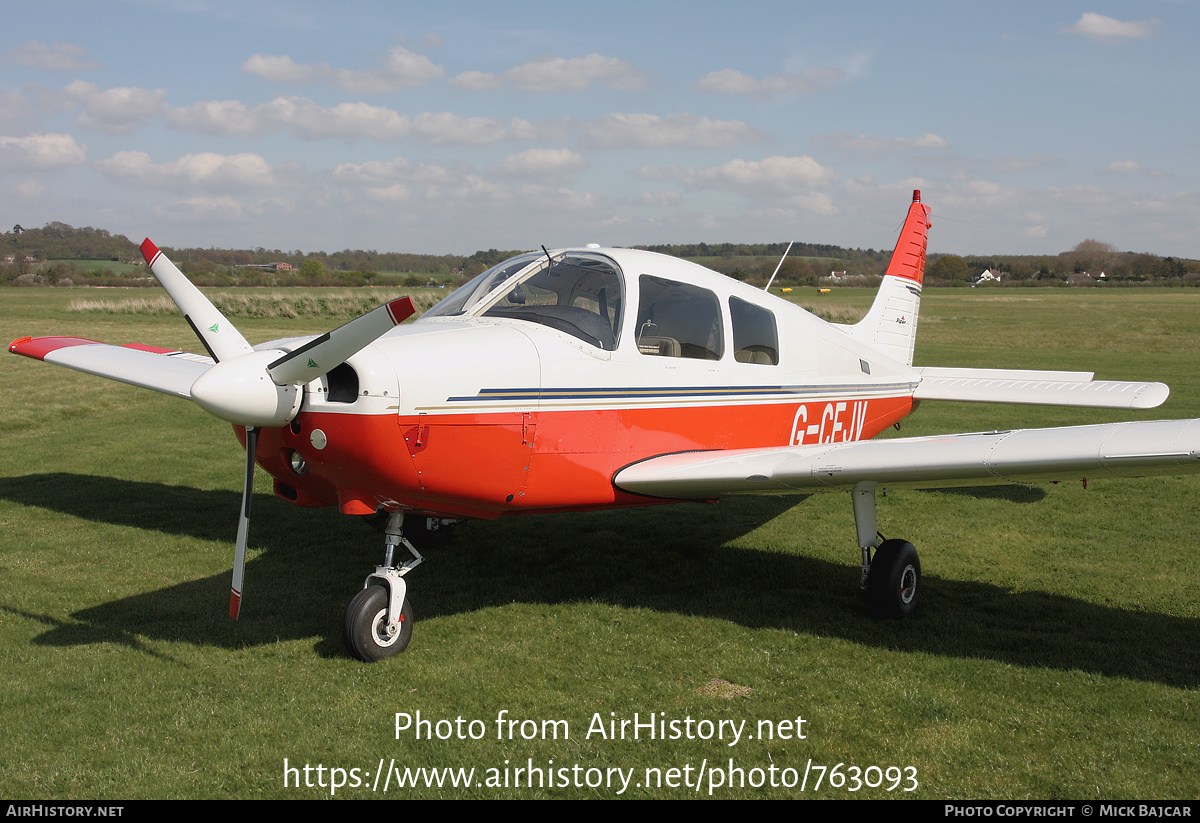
(678, 320)
(755, 339)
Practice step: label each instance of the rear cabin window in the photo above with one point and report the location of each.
(678, 320)
(754, 336)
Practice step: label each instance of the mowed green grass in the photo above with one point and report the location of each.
(1056, 653)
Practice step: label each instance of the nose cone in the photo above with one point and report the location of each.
(241, 391)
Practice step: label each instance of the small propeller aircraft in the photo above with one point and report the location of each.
(592, 378)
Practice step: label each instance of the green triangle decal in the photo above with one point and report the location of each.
(312, 364)
(213, 327)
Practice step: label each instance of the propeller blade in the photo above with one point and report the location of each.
(330, 350)
(239, 554)
(218, 335)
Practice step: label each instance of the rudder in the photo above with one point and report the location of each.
(891, 324)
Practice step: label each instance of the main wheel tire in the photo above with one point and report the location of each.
(366, 623)
(894, 584)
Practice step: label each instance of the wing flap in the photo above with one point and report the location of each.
(150, 367)
(1044, 388)
(1122, 449)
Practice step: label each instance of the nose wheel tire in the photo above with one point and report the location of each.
(894, 583)
(366, 630)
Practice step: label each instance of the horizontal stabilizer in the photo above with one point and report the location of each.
(1041, 388)
(985, 458)
(163, 370)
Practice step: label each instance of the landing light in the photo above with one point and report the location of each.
(297, 463)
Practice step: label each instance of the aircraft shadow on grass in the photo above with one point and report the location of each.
(660, 558)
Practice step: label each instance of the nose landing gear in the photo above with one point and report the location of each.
(379, 620)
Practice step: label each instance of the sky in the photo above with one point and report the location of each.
(456, 126)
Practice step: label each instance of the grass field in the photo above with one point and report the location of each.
(1056, 653)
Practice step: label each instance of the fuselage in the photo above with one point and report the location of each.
(528, 391)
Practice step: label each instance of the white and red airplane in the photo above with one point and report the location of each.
(593, 378)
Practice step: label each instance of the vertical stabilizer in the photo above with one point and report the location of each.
(891, 324)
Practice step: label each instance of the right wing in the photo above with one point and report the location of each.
(1131, 449)
(150, 367)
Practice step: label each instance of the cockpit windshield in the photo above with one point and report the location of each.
(579, 293)
(466, 296)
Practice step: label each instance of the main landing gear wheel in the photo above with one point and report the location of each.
(366, 630)
(894, 583)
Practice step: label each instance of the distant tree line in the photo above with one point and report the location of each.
(65, 255)
(1091, 257)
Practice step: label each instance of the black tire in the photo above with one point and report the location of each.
(363, 629)
(894, 584)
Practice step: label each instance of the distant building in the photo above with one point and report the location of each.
(268, 266)
(989, 276)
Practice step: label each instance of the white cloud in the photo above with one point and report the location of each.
(809, 81)
(385, 173)
(305, 118)
(444, 128)
(876, 146)
(283, 69)
(401, 69)
(477, 81)
(207, 170)
(1110, 30)
(348, 121)
(59, 56)
(794, 181)
(540, 163)
(658, 199)
(1131, 167)
(118, 110)
(576, 74)
(652, 130)
(774, 173)
(40, 152)
(220, 117)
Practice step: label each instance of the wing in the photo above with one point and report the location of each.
(1044, 388)
(1123, 449)
(151, 367)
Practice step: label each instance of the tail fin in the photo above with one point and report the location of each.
(891, 324)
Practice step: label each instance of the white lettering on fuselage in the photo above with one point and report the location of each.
(831, 426)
